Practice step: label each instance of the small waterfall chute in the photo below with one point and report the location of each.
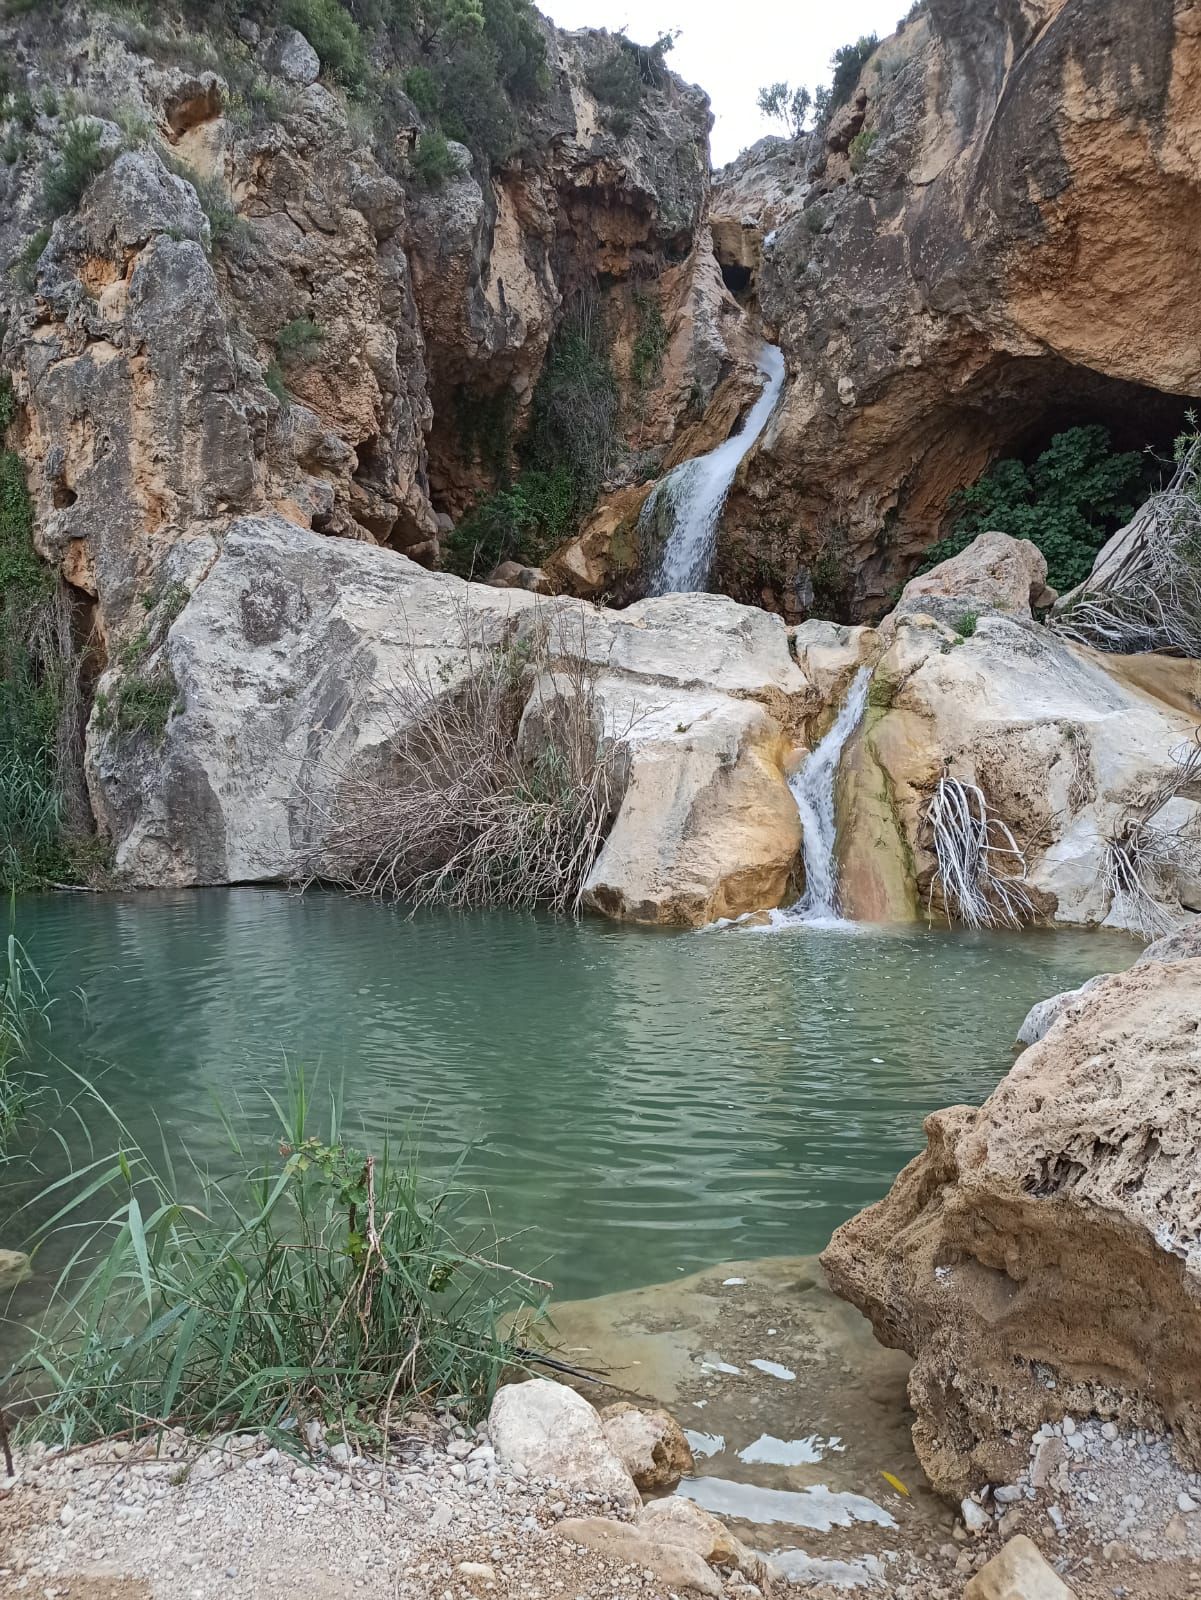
(813, 789)
(691, 497)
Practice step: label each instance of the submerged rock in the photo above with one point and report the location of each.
(554, 1433)
(1042, 1257)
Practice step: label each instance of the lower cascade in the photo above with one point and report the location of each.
(813, 790)
(694, 493)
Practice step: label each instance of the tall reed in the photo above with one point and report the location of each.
(324, 1283)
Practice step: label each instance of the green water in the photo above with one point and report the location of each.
(638, 1104)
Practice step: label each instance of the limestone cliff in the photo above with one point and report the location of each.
(262, 305)
(993, 238)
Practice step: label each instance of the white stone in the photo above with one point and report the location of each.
(554, 1433)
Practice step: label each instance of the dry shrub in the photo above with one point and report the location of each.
(498, 791)
(1145, 855)
(981, 869)
(1148, 597)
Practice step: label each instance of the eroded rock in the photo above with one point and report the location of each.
(1018, 1572)
(651, 1443)
(1042, 1257)
(672, 1564)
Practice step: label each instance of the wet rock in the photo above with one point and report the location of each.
(1043, 1016)
(672, 1564)
(554, 1433)
(1070, 1205)
(1018, 1573)
(651, 1443)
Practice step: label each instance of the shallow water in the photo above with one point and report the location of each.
(638, 1103)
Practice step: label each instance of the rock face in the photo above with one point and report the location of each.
(284, 665)
(991, 239)
(265, 312)
(1066, 745)
(1041, 1258)
(554, 1433)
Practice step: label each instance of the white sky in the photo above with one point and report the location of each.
(733, 47)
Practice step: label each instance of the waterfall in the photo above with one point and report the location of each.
(813, 790)
(694, 493)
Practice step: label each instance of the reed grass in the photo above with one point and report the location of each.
(324, 1283)
(23, 1011)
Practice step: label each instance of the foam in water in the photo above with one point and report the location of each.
(813, 790)
(696, 491)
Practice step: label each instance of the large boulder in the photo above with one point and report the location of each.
(1042, 1257)
(1018, 1572)
(994, 573)
(554, 1433)
(288, 664)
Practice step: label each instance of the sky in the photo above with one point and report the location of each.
(733, 47)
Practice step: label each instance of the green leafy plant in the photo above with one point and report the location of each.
(8, 401)
(24, 267)
(334, 35)
(861, 148)
(24, 1008)
(422, 89)
(322, 1283)
(848, 62)
(1068, 502)
(789, 104)
(522, 522)
(966, 625)
(433, 161)
(299, 340)
(650, 344)
(80, 159)
(273, 378)
(142, 702)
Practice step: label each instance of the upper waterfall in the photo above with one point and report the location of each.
(696, 491)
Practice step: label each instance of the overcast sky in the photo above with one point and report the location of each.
(733, 47)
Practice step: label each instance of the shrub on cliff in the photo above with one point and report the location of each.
(334, 35)
(80, 159)
(1075, 495)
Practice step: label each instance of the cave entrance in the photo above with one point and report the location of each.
(739, 280)
(1013, 409)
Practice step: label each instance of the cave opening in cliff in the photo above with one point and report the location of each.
(739, 280)
(1020, 407)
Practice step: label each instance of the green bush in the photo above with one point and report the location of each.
(617, 84)
(422, 89)
(523, 522)
(299, 340)
(848, 61)
(650, 343)
(1077, 493)
(573, 418)
(141, 703)
(475, 108)
(433, 160)
(32, 680)
(25, 264)
(80, 159)
(334, 35)
(861, 148)
(8, 401)
(784, 103)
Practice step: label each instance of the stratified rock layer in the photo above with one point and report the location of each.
(1042, 1257)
